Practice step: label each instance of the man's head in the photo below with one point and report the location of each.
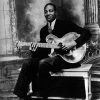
(50, 12)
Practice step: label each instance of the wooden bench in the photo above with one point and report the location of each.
(83, 71)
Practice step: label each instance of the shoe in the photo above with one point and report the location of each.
(43, 94)
(20, 99)
(35, 93)
(20, 95)
(26, 98)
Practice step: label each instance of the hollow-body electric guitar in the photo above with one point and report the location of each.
(73, 56)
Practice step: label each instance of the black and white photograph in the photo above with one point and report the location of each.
(49, 49)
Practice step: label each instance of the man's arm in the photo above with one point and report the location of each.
(85, 35)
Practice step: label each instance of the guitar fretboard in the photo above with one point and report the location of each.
(43, 45)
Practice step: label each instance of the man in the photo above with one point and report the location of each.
(38, 69)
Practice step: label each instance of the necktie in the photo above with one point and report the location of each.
(49, 28)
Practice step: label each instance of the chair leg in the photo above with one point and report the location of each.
(86, 87)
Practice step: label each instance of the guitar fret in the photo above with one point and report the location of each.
(45, 45)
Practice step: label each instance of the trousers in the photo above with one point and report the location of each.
(37, 71)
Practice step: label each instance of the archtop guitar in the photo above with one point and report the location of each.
(72, 56)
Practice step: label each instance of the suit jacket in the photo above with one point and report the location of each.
(60, 29)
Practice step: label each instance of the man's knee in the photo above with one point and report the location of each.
(41, 61)
(43, 65)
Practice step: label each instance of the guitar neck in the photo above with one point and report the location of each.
(46, 45)
(42, 45)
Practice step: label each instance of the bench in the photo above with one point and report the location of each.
(83, 71)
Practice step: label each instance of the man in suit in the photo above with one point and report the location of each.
(38, 69)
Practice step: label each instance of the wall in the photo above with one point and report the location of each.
(30, 16)
(71, 9)
(7, 24)
(99, 11)
(5, 36)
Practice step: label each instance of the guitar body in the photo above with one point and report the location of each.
(73, 56)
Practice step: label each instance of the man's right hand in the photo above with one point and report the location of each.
(33, 47)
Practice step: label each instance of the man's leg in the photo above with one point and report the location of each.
(26, 75)
(52, 64)
(45, 80)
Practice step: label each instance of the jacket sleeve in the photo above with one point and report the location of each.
(41, 52)
(85, 35)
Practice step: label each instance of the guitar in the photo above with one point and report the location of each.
(73, 56)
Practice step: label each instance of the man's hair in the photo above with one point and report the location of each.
(51, 5)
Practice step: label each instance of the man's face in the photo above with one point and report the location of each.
(50, 13)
